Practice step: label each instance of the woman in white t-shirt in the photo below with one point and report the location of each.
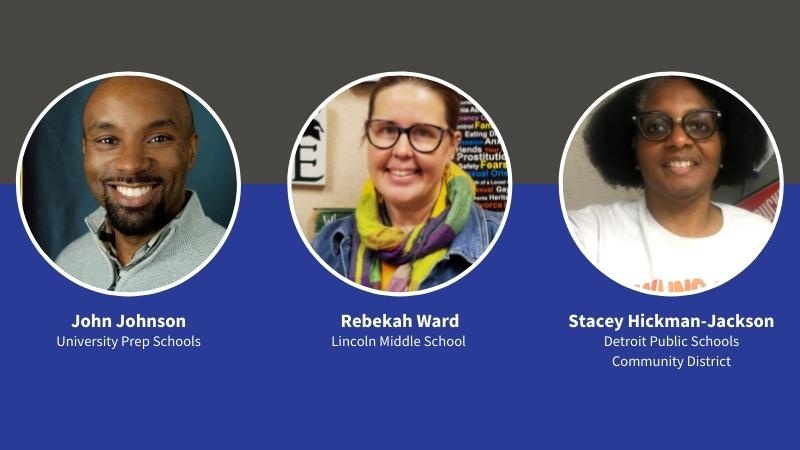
(678, 138)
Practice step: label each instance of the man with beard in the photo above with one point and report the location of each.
(139, 143)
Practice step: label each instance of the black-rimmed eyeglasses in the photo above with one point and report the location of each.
(657, 126)
(423, 137)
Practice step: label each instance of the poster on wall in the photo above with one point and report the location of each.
(481, 156)
(763, 201)
(309, 159)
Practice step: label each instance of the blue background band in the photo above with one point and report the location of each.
(266, 375)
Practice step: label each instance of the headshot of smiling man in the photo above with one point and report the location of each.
(678, 139)
(139, 143)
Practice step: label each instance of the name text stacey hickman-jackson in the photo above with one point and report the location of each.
(616, 323)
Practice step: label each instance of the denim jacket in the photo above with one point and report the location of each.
(333, 244)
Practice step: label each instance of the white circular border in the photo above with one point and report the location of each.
(235, 161)
(612, 91)
(375, 77)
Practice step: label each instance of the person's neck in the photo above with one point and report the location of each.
(126, 245)
(692, 217)
(407, 218)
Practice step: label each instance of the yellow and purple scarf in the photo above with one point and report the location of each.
(413, 253)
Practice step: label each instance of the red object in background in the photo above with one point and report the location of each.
(764, 201)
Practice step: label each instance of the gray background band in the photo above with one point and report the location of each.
(265, 68)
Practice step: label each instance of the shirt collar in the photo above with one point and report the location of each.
(101, 229)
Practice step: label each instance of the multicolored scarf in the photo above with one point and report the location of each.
(413, 253)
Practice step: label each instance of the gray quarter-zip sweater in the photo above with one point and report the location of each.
(174, 252)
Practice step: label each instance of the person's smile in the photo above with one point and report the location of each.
(402, 175)
(133, 195)
(680, 165)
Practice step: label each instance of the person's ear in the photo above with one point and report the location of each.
(193, 143)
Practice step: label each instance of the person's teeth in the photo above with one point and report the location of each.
(680, 164)
(134, 191)
(402, 173)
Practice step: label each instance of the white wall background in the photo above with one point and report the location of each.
(346, 159)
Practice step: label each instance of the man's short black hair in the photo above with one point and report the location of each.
(609, 135)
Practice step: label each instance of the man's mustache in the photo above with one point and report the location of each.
(136, 179)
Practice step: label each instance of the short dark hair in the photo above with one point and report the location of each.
(451, 100)
(609, 135)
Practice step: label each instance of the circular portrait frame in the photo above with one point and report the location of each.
(663, 289)
(359, 134)
(229, 210)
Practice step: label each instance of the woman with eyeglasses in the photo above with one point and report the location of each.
(416, 224)
(678, 138)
